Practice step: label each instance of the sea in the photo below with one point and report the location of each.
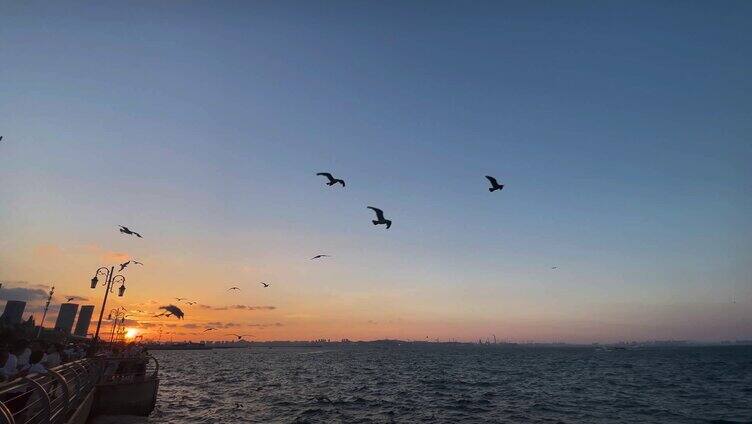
(444, 383)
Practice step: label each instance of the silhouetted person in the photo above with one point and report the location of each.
(332, 180)
(494, 184)
(380, 217)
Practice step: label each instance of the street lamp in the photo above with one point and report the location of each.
(110, 280)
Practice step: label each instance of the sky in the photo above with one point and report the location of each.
(621, 131)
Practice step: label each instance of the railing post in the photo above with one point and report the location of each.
(66, 393)
(6, 415)
(43, 394)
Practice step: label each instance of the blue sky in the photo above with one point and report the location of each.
(621, 131)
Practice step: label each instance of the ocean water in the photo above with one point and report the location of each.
(455, 384)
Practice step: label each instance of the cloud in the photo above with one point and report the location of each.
(29, 293)
(47, 251)
(115, 257)
(220, 324)
(276, 324)
(238, 307)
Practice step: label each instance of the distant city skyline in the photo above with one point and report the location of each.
(620, 132)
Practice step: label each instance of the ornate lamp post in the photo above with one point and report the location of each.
(110, 279)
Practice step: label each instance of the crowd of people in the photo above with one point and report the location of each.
(23, 357)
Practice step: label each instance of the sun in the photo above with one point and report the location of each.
(130, 333)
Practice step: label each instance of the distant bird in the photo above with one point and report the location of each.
(138, 263)
(126, 230)
(123, 265)
(265, 284)
(554, 267)
(320, 256)
(332, 180)
(139, 310)
(239, 336)
(174, 310)
(494, 184)
(380, 217)
(191, 303)
(233, 288)
(209, 329)
(72, 298)
(180, 298)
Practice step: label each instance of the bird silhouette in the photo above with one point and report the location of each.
(332, 180)
(240, 336)
(174, 310)
(265, 284)
(180, 298)
(494, 184)
(137, 263)
(380, 217)
(554, 267)
(126, 230)
(209, 329)
(191, 303)
(233, 288)
(123, 265)
(72, 298)
(320, 256)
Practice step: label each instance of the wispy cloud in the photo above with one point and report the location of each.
(21, 290)
(238, 307)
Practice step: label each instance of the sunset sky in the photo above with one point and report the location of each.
(621, 131)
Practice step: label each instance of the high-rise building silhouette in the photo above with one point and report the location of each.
(13, 313)
(65, 317)
(84, 319)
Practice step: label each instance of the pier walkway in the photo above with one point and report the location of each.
(67, 393)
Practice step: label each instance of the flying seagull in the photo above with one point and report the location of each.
(174, 310)
(138, 263)
(233, 288)
(72, 298)
(191, 303)
(209, 329)
(123, 265)
(240, 336)
(265, 284)
(494, 184)
(320, 256)
(380, 217)
(332, 180)
(180, 298)
(126, 230)
(554, 267)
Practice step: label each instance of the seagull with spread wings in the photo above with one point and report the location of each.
(321, 256)
(332, 180)
(233, 288)
(123, 265)
(494, 184)
(380, 217)
(174, 310)
(209, 329)
(265, 284)
(126, 230)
